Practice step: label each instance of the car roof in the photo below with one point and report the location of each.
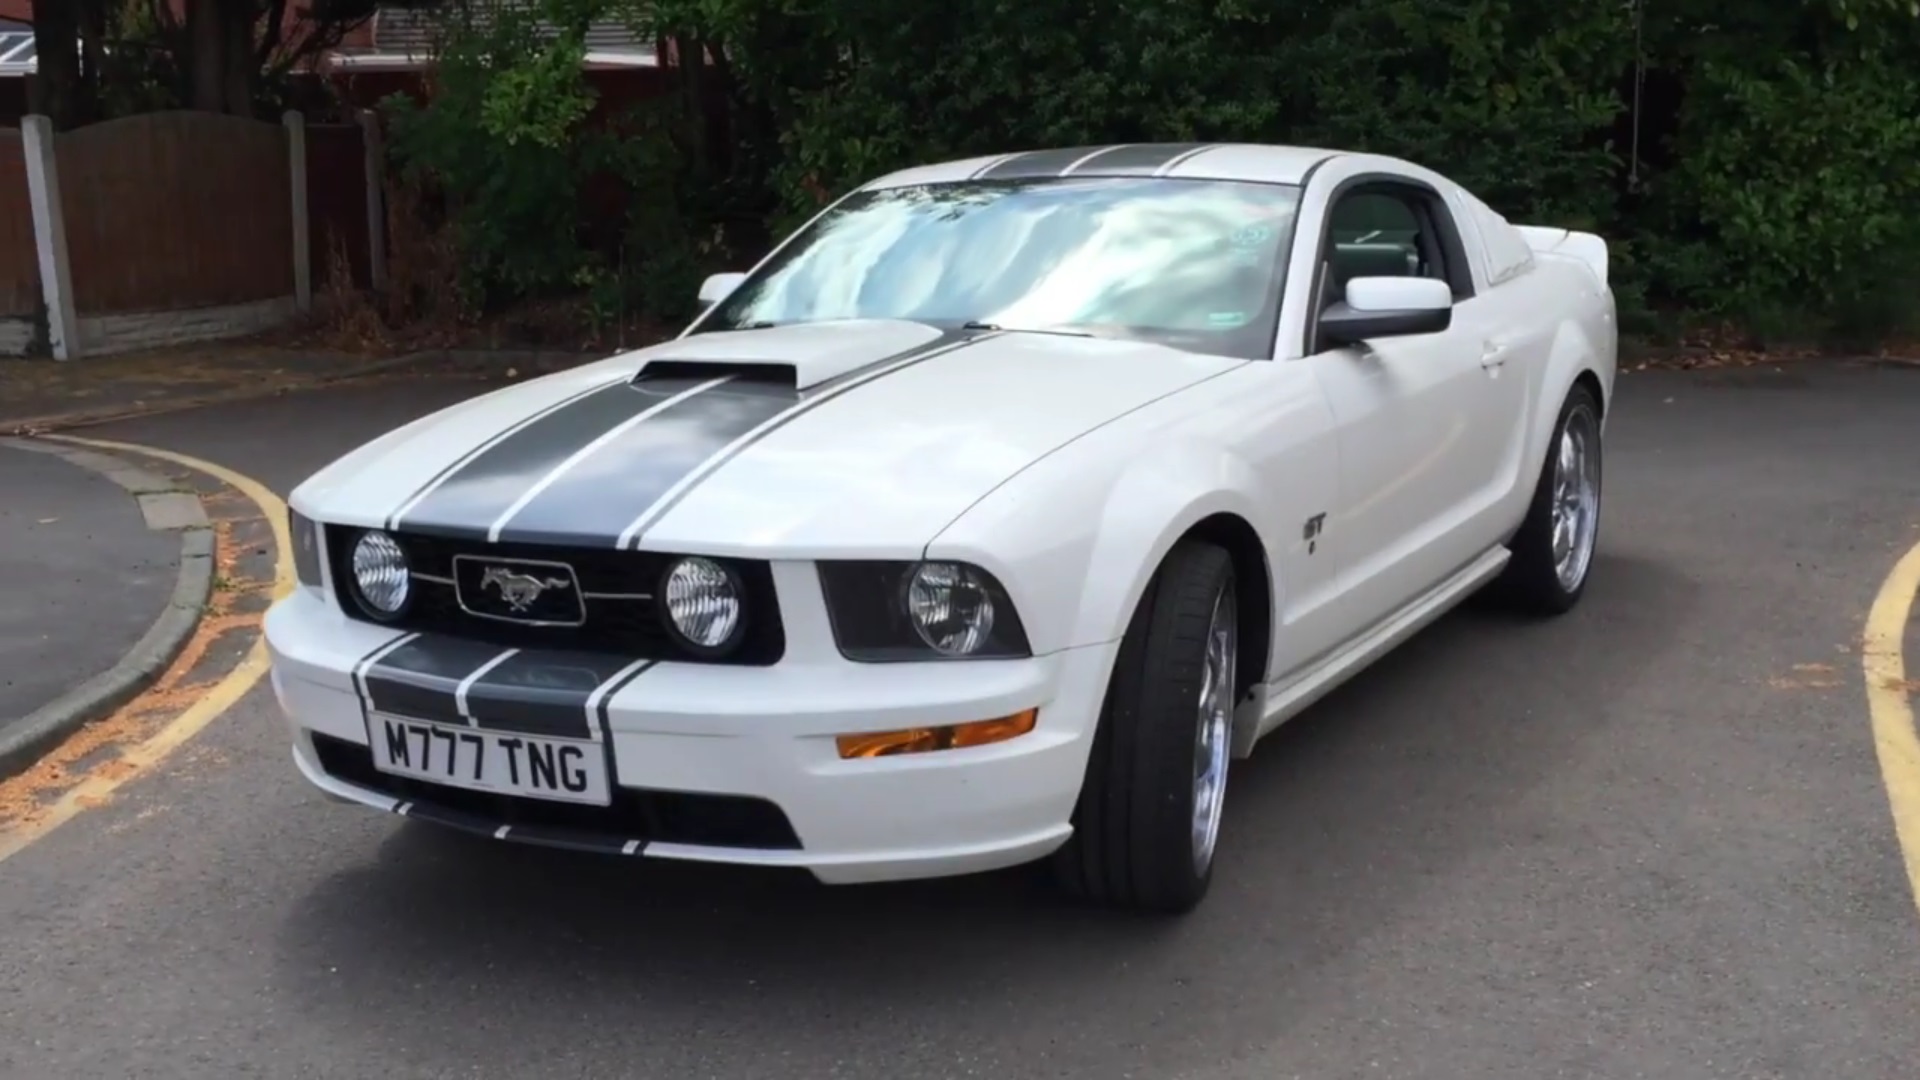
(1200, 161)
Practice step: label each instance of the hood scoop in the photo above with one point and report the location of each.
(754, 372)
(797, 356)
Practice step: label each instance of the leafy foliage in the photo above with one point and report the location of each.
(502, 140)
(1746, 161)
(1800, 177)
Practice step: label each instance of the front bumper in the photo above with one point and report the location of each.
(738, 764)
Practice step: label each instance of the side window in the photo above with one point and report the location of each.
(1374, 232)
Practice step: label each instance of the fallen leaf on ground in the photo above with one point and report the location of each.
(48, 521)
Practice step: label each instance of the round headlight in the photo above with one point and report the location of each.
(951, 607)
(380, 574)
(703, 602)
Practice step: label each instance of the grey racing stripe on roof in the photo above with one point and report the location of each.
(1119, 159)
(1035, 163)
(1140, 160)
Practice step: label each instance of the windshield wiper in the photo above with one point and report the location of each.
(975, 324)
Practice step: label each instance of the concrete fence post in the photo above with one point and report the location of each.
(50, 236)
(376, 200)
(302, 230)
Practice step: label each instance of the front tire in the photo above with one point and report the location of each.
(1148, 820)
(1553, 551)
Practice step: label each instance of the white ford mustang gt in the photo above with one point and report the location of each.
(983, 522)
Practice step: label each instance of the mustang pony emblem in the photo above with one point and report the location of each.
(518, 590)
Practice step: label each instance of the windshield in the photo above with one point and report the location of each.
(1194, 264)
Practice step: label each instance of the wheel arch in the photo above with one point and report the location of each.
(1080, 545)
(1254, 594)
(1591, 381)
(1576, 359)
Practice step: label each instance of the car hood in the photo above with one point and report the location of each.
(842, 438)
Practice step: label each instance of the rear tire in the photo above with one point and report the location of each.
(1553, 551)
(1148, 820)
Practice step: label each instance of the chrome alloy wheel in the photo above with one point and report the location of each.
(1576, 498)
(1213, 734)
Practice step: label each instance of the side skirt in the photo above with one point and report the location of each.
(1273, 704)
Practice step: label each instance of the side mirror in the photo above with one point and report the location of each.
(1378, 307)
(716, 288)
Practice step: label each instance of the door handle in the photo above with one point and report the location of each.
(1493, 353)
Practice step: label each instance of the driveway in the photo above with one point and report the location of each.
(1649, 839)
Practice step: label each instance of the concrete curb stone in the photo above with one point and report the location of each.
(24, 743)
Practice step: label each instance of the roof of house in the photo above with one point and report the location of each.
(16, 49)
(403, 28)
(403, 37)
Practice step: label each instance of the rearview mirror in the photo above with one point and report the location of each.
(1378, 307)
(718, 287)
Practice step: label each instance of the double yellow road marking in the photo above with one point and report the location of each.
(1889, 699)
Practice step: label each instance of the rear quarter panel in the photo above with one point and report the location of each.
(1561, 321)
(1585, 338)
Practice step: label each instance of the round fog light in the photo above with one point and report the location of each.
(703, 603)
(380, 574)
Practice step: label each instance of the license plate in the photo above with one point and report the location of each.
(501, 762)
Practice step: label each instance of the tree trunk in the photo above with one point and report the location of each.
(220, 41)
(57, 91)
(240, 69)
(92, 17)
(206, 60)
(693, 84)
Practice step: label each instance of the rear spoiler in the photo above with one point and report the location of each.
(1584, 246)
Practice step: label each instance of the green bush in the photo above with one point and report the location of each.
(501, 139)
(1800, 184)
(1765, 173)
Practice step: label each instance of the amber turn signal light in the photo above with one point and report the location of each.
(873, 744)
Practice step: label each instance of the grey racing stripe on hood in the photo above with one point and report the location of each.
(586, 499)
(466, 502)
(593, 499)
(816, 396)
(590, 471)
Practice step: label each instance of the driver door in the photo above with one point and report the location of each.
(1415, 421)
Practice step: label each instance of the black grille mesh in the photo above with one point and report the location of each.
(624, 624)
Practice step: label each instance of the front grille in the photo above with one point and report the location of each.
(617, 611)
(668, 817)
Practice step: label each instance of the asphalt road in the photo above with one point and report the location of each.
(81, 577)
(1646, 840)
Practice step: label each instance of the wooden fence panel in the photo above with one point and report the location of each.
(174, 210)
(19, 259)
